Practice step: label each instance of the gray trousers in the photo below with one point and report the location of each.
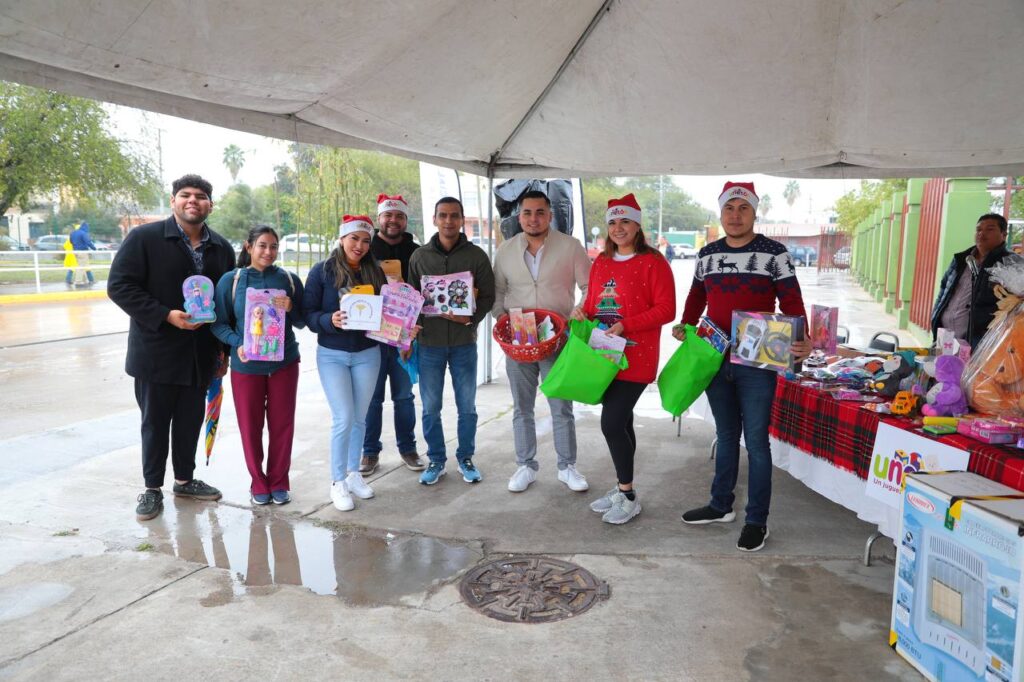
(523, 379)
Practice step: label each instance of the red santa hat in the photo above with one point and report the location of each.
(395, 203)
(738, 190)
(626, 207)
(355, 223)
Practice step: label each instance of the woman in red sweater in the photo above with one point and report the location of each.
(632, 291)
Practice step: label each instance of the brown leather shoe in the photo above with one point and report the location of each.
(367, 465)
(413, 461)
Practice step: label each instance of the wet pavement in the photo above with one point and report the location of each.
(236, 591)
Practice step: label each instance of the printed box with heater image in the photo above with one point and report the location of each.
(956, 593)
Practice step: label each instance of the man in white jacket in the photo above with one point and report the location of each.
(539, 268)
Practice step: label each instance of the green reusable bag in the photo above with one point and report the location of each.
(580, 373)
(688, 372)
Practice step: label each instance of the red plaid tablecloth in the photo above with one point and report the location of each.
(843, 433)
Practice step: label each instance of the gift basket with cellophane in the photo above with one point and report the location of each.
(994, 377)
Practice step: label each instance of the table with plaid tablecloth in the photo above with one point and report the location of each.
(843, 433)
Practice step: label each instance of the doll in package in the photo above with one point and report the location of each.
(198, 291)
(264, 325)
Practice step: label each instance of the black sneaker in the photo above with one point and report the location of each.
(151, 503)
(708, 515)
(752, 538)
(197, 489)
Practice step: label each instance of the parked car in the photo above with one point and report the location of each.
(302, 243)
(105, 246)
(50, 242)
(684, 251)
(841, 258)
(11, 244)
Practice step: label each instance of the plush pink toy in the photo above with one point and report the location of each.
(946, 398)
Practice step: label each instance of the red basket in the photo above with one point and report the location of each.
(502, 333)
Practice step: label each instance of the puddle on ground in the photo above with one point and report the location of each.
(23, 600)
(262, 548)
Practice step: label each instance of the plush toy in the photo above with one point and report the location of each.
(994, 378)
(946, 398)
(894, 370)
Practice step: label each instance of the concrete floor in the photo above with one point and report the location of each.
(231, 592)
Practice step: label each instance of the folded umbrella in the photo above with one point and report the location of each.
(214, 397)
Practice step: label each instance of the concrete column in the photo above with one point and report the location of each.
(908, 266)
(895, 236)
(966, 200)
(881, 255)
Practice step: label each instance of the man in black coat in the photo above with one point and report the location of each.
(171, 358)
(966, 304)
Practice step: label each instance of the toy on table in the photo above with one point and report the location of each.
(946, 398)
(824, 328)
(198, 292)
(994, 376)
(894, 370)
(904, 403)
(992, 431)
(263, 334)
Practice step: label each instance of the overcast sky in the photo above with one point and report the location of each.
(190, 147)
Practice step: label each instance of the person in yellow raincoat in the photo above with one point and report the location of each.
(70, 262)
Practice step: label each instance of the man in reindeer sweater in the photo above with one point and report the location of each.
(742, 271)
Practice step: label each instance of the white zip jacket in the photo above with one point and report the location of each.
(564, 267)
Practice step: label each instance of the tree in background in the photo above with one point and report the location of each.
(791, 193)
(51, 142)
(1016, 201)
(681, 212)
(764, 206)
(856, 205)
(234, 159)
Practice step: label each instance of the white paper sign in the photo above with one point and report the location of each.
(363, 311)
(898, 452)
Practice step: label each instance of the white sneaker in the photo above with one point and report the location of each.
(340, 497)
(357, 486)
(573, 479)
(623, 509)
(521, 479)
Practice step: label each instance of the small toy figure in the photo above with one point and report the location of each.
(894, 370)
(904, 403)
(946, 398)
(256, 329)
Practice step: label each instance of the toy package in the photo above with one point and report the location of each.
(443, 294)
(392, 268)
(400, 309)
(531, 328)
(612, 347)
(198, 291)
(264, 325)
(824, 327)
(994, 376)
(363, 311)
(713, 334)
(518, 326)
(762, 340)
(956, 593)
(546, 329)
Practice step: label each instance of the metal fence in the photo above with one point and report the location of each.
(27, 267)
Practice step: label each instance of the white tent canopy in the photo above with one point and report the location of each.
(836, 88)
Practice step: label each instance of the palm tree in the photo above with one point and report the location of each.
(792, 192)
(765, 205)
(234, 159)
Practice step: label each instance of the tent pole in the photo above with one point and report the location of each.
(489, 321)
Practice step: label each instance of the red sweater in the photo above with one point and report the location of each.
(640, 293)
(749, 277)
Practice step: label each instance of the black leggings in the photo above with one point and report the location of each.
(617, 425)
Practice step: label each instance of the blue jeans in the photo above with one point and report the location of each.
(405, 407)
(348, 380)
(461, 362)
(741, 401)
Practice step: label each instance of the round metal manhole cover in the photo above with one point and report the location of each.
(531, 589)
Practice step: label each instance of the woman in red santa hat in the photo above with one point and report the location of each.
(631, 290)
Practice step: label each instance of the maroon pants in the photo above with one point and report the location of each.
(271, 398)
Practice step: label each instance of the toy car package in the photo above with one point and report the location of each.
(763, 340)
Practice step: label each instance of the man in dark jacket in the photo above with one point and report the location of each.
(171, 358)
(966, 304)
(449, 341)
(81, 241)
(392, 243)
